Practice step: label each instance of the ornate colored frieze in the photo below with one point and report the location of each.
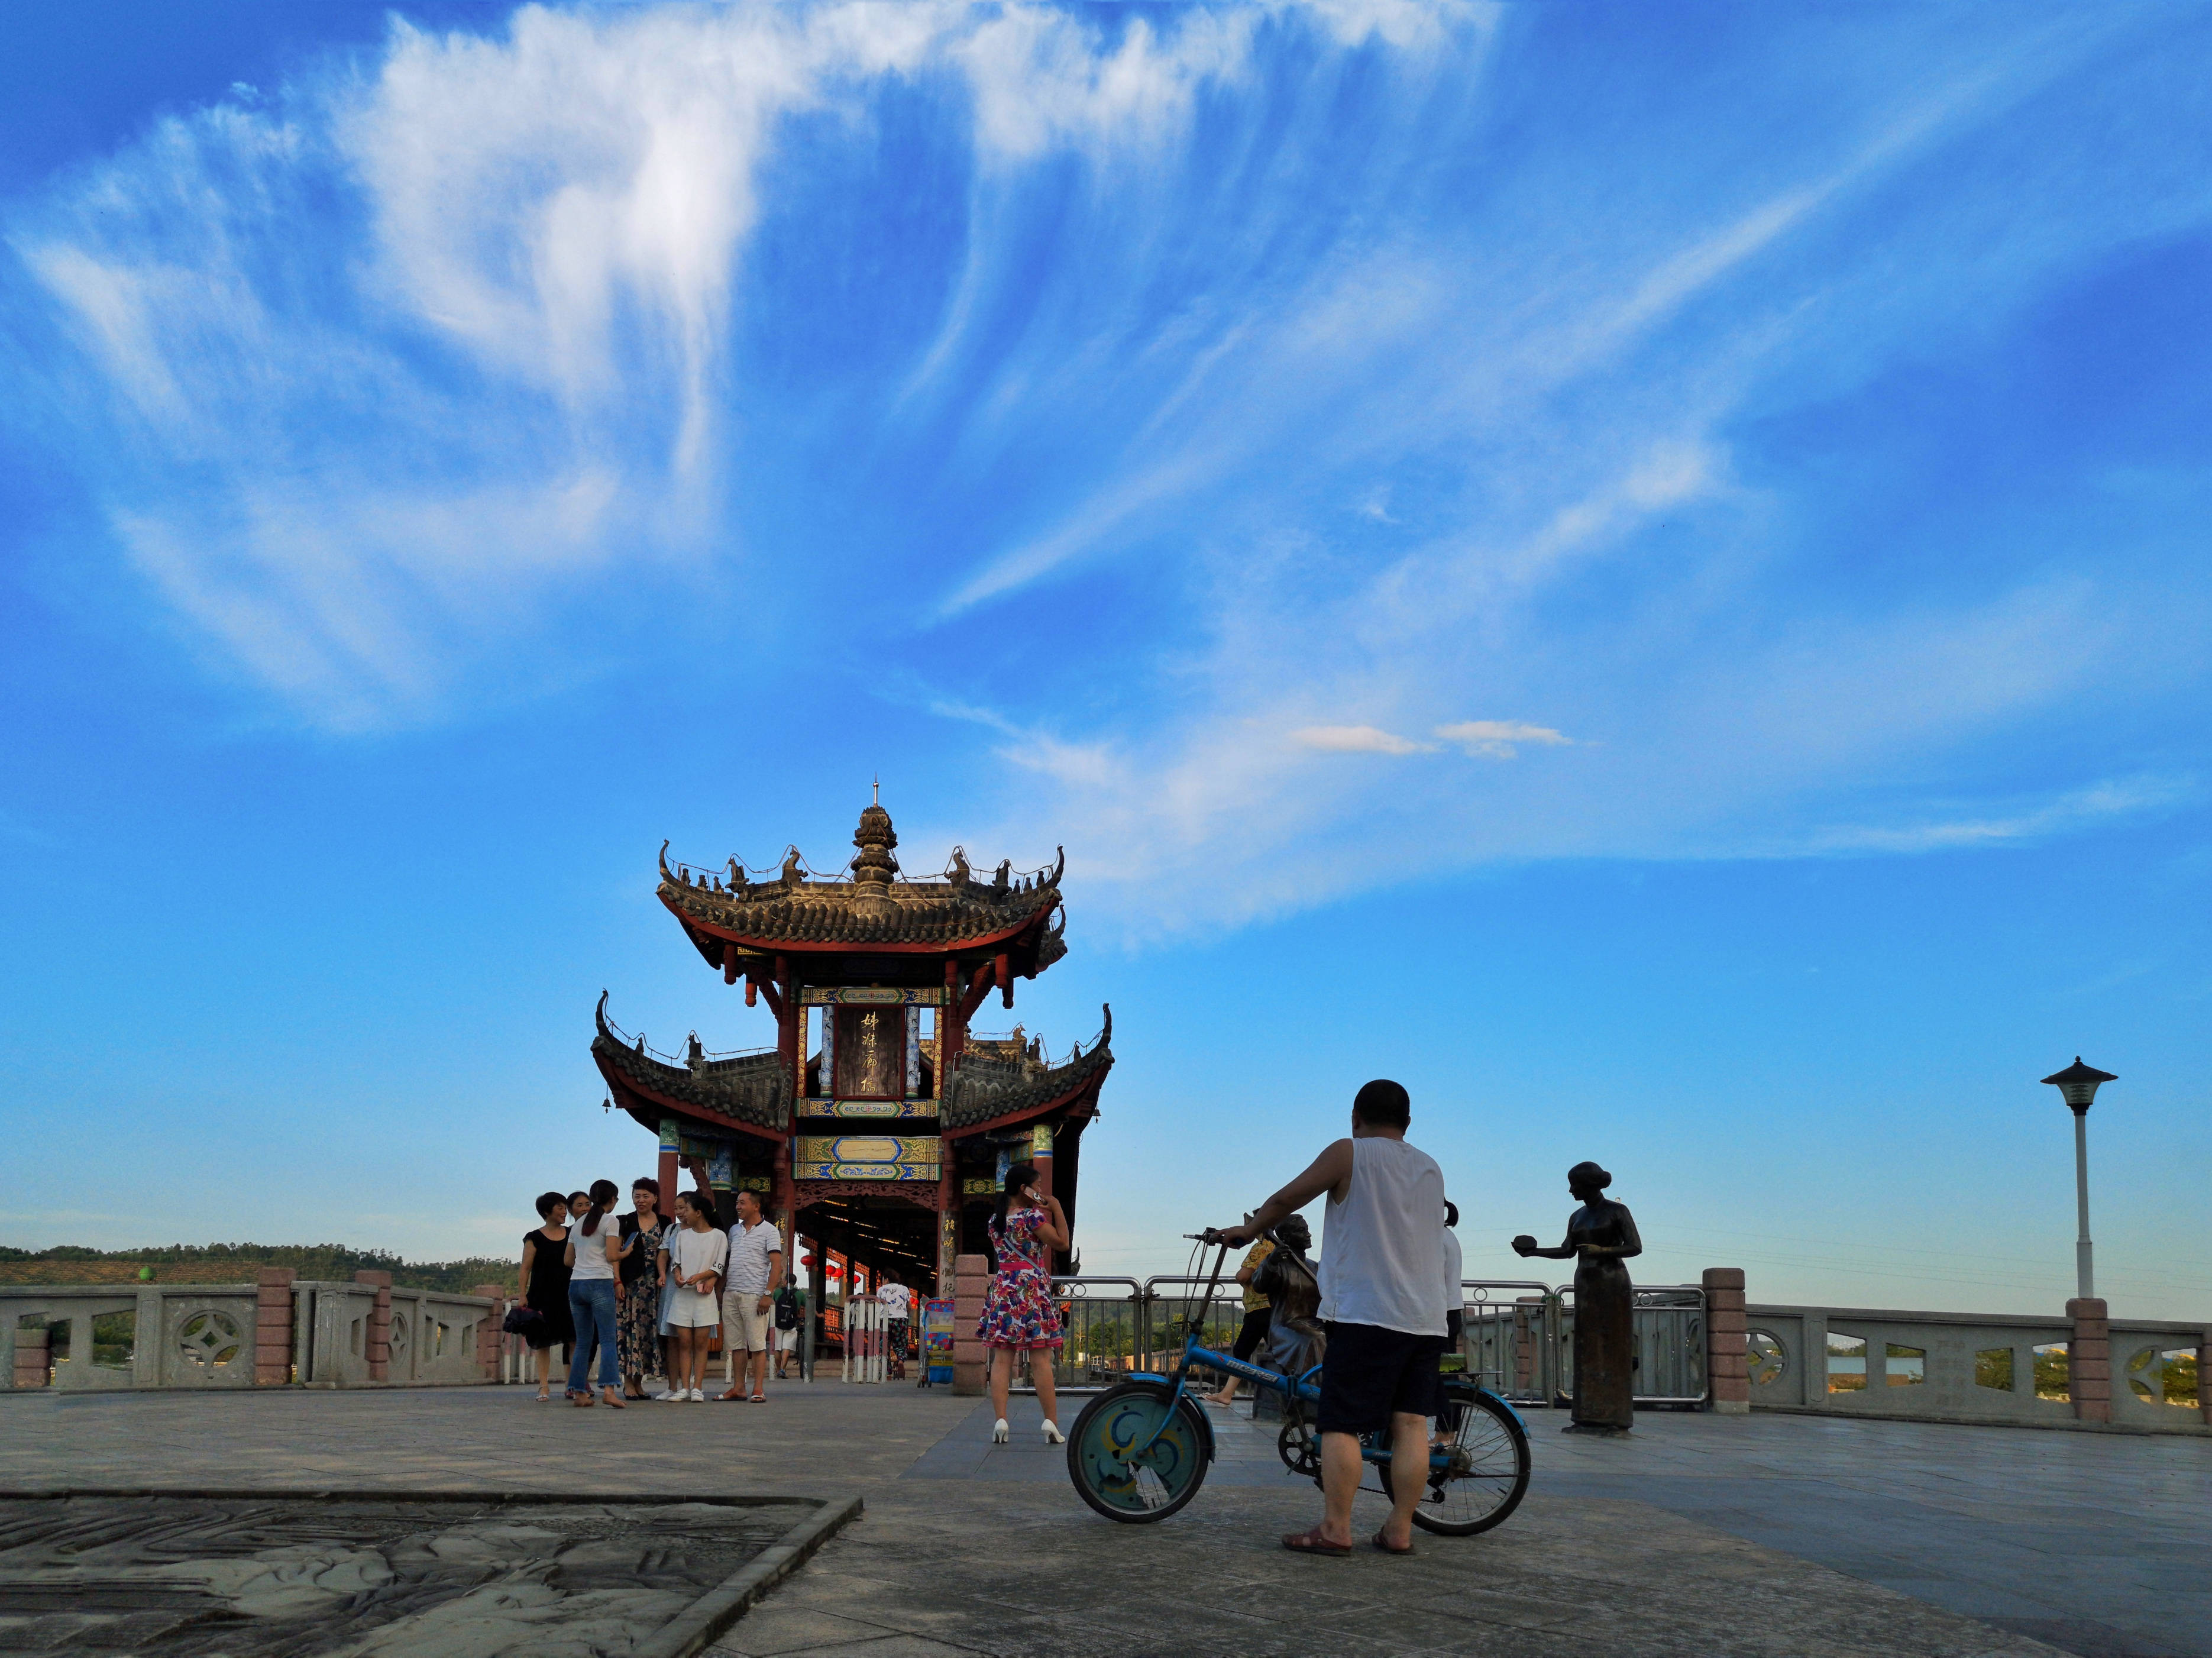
(868, 996)
(979, 1188)
(924, 1173)
(867, 1157)
(810, 1110)
(869, 1148)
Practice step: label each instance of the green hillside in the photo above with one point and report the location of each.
(233, 1263)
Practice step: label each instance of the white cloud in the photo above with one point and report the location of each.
(2074, 809)
(277, 292)
(1356, 739)
(1498, 739)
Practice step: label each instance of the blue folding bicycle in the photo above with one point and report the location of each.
(1140, 1450)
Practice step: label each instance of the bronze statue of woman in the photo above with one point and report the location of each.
(1601, 1236)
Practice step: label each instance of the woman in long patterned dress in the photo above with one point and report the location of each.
(637, 1316)
(1018, 1315)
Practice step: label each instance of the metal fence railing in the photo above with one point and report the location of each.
(1517, 1334)
(1524, 1348)
(1510, 1339)
(1103, 1322)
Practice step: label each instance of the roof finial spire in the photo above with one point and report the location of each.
(877, 798)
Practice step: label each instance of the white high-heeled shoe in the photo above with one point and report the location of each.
(1052, 1435)
(998, 1431)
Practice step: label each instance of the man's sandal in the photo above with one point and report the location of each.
(1389, 1548)
(1312, 1542)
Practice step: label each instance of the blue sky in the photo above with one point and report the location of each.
(1640, 570)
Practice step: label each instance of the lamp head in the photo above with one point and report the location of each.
(2078, 1082)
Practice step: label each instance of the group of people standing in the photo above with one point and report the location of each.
(644, 1296)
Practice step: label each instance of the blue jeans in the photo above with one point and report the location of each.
(592, 1306)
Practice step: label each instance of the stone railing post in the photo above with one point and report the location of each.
(2089, 1360)
(379, 1326)
(272, 1327)
(1727, 1363)
(33, 1353)
(489, 1336)
(1528, 1313)
(2204, 1378)
(971, 1278)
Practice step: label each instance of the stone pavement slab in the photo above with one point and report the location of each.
(412, 1574)
(1774, 1536)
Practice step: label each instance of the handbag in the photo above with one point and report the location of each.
(521, 1320)
(787, 1308)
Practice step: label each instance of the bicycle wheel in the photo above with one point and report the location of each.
(1159, 1481)
(1489, 1470)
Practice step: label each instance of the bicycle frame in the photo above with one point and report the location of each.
(1304, 1388)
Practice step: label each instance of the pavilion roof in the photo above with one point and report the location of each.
(874, 906)
(753, 1091)
(987, 1086)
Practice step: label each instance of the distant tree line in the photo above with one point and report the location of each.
(230, 1263)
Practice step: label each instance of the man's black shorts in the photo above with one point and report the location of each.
(1368, 1372)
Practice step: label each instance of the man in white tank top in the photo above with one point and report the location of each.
(1383, 1303)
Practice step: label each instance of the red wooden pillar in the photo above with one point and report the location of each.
(948, 1215)
(670, 1171)
(1040, 1155)
(951, 1037)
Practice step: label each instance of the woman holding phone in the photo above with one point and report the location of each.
(1019, 1316)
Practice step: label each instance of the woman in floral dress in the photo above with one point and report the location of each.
(1019, 1316)
(637, 1318)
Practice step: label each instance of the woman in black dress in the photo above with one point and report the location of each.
(1600, 1237)
(546, 1287)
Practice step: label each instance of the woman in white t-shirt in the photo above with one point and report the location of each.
(696, 1255)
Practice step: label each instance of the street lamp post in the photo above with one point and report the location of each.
(2078, 1084)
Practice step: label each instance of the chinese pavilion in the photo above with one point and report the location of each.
(876, 1125)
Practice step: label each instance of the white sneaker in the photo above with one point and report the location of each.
(697, 1396)
(1052, 1435)
(998, 1431)
(673, 1396)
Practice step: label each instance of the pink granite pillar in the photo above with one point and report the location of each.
(2089, 1360)
(34, 1353)
(489, 1333)
(378, 1354)
(1727, 1363)
(2204, 1379)
(971, 1278)
(272, 1327)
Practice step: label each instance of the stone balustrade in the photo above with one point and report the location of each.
(277, 1331)
(2084, 1369)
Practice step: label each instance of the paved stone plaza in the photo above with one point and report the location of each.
(1780, 1535)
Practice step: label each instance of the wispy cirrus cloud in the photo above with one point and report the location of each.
(1203, 400)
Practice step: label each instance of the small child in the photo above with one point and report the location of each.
(1296, 1340)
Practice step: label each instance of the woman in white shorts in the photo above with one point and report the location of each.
(696, 1258)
